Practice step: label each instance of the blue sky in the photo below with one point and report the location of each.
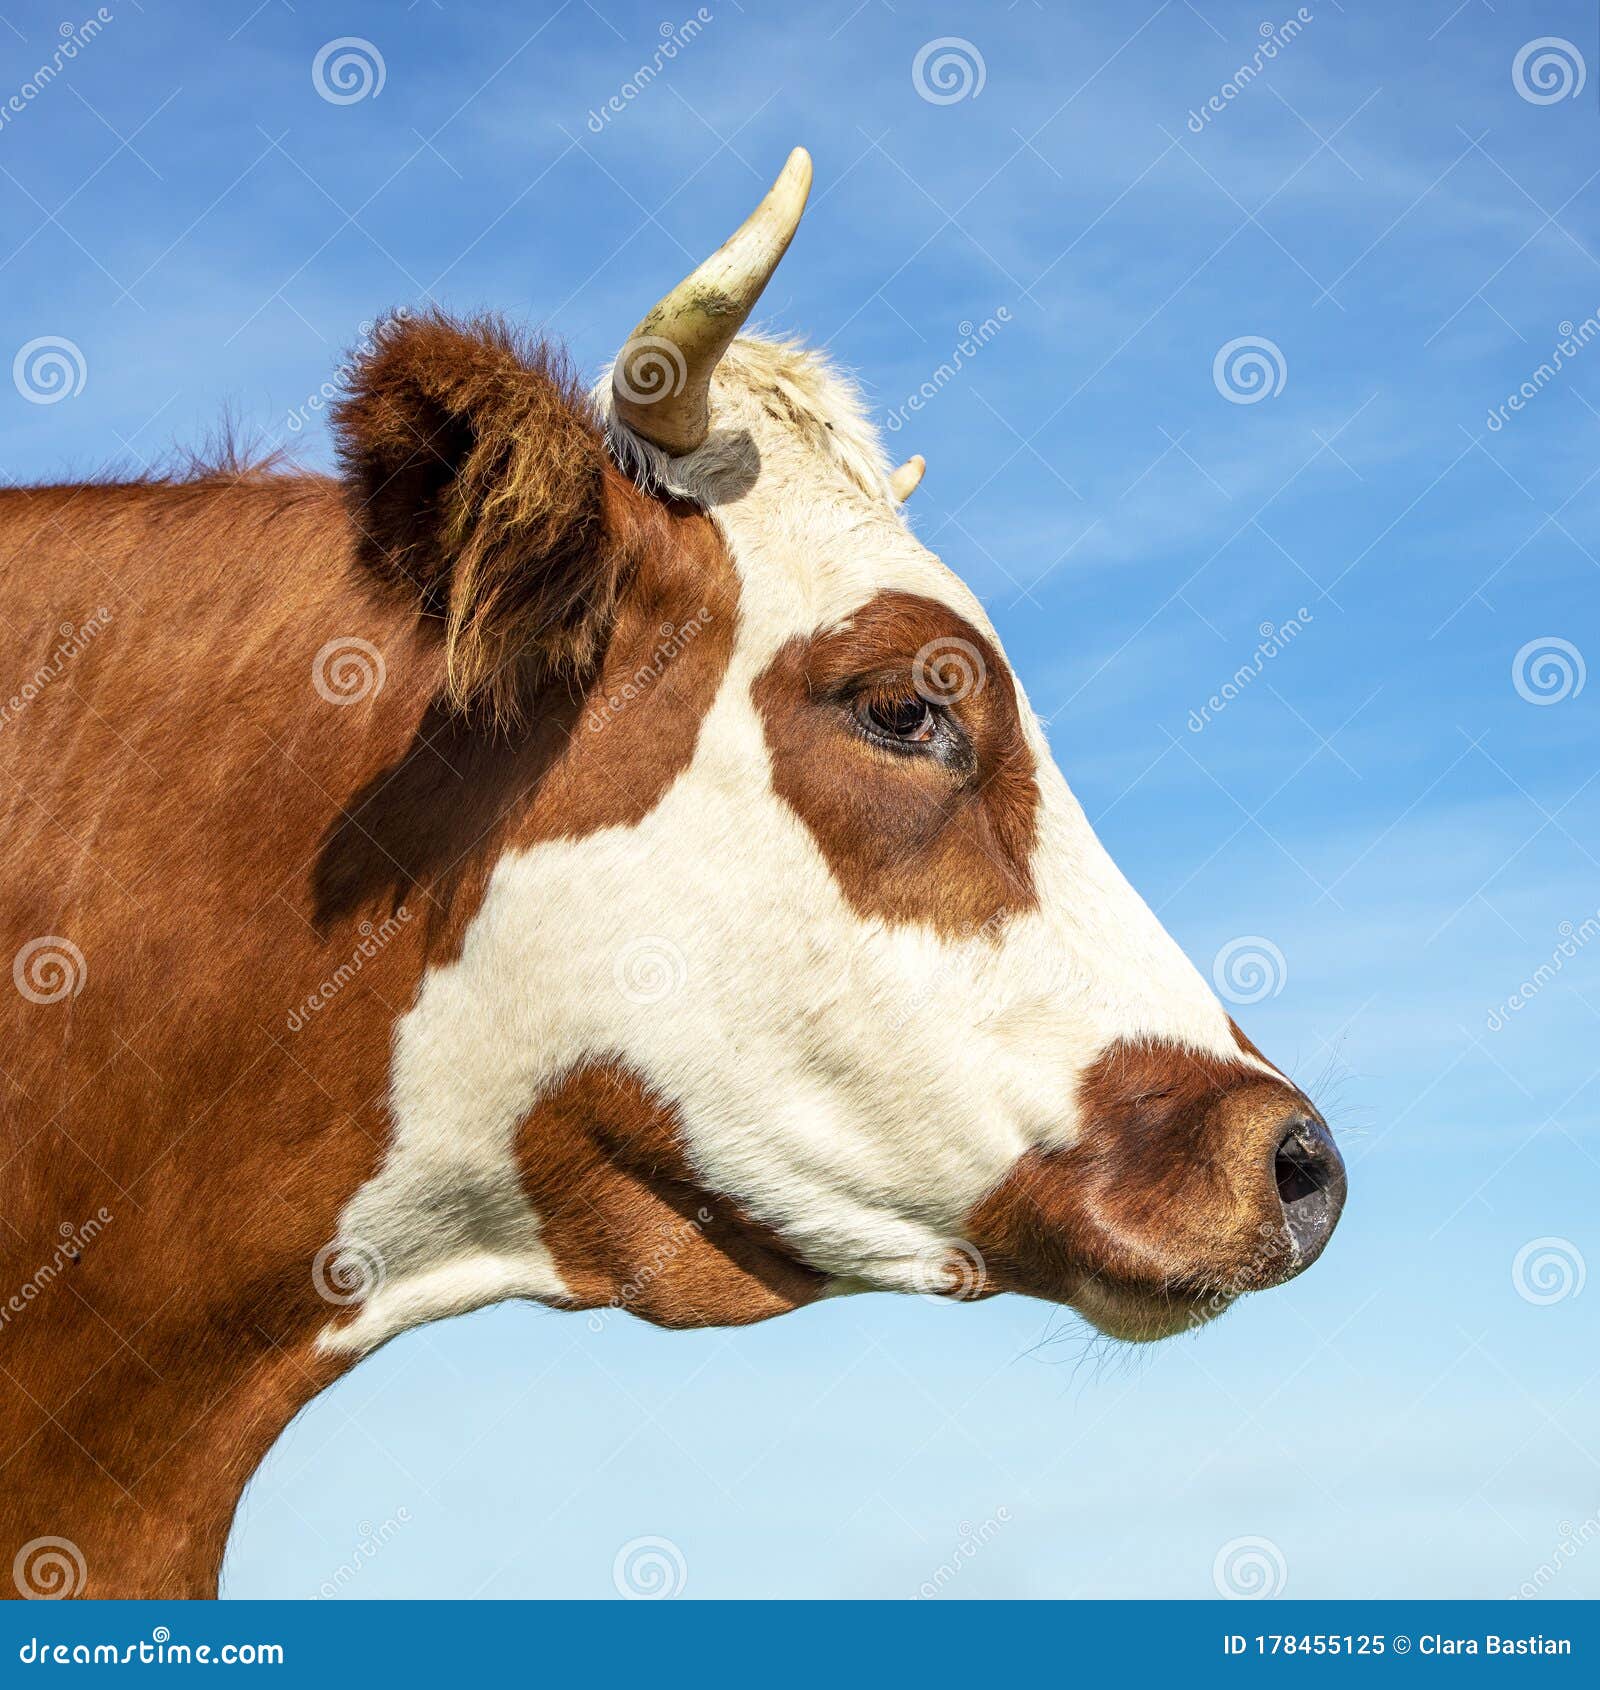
(1401, 235)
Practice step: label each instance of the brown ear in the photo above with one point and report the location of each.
(477, 483)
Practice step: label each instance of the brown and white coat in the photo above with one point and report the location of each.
(541, 863)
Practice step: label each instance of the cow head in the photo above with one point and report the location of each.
(798, 969)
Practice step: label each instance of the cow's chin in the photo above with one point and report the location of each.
(1141, 1316)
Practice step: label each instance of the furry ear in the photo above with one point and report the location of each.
(477, 477)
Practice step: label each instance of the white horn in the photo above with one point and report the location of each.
(662, 377)
(903, 483)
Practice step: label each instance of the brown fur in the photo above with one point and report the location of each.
(218, 840)
(476, 474)
(628, 1222)
(909, 839)
(1167, 1198)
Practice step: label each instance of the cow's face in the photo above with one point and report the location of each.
(801, 970)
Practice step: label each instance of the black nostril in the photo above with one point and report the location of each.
(1309, 1173)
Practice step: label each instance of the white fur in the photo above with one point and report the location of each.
(855, 1086)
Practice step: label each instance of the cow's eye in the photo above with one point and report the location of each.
(901, 718)
(904, 718)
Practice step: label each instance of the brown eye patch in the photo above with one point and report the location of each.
(943, 839)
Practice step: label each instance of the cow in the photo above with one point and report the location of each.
(585, 850)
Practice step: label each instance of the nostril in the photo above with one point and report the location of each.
(1309, 1174)
(1299, 1168)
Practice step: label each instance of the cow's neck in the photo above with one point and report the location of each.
(141, 1468)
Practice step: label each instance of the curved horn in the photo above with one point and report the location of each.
(662, 377)
(903, 483)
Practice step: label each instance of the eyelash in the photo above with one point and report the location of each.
(943, 740)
